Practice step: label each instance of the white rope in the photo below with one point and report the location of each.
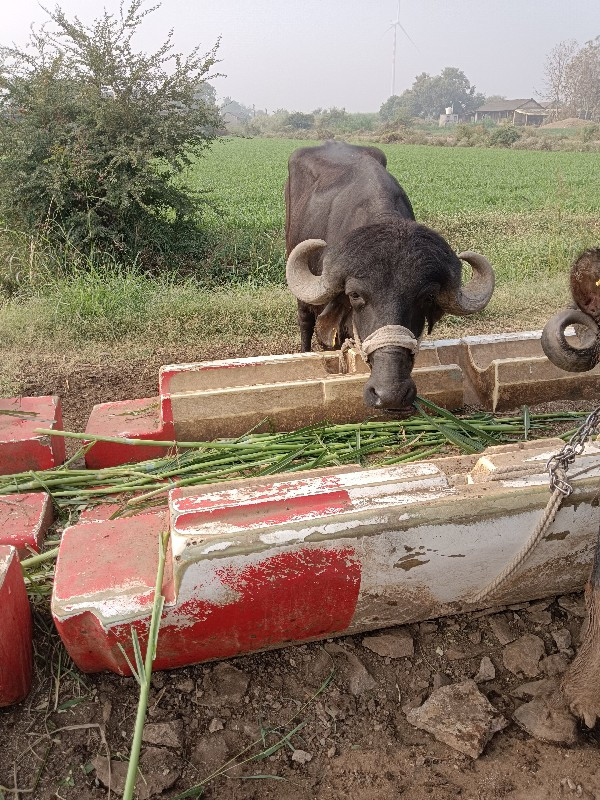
(534, 539)
(386, 336)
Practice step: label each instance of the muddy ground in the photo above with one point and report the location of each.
(354, 740)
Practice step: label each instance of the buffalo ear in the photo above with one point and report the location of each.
(329, 326)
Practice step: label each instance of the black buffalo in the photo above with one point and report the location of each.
(358, 262)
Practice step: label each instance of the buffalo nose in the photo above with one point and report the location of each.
(398, 396)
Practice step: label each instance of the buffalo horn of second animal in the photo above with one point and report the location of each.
(563, 354)
(312, 289)
(476, 294)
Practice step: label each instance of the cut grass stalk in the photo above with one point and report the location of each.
(143, 670)
(34, 561)
(312, 446)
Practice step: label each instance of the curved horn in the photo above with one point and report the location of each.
(476, 294)
(311, 289)
(563, 354)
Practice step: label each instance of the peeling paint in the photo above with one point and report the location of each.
(558, 536)
(410, 562)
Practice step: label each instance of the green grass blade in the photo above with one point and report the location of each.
(134, 672)
(460, 423)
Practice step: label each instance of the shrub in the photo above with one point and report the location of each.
(504, 135)
(94, 134)
(590, 132)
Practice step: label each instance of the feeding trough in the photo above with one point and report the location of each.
(226, 398)
(16, 656)
(289, 558)
(281, 559)
(21, 448)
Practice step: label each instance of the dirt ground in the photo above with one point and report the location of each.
(354, 738)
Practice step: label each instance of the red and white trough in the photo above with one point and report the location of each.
(212, 399)
(284, 559)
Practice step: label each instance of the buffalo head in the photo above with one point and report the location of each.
(584, 282)
(395, 275)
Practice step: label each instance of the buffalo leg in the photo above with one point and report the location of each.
(581, 683)
(306, 321)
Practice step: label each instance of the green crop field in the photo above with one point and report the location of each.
(528, 212)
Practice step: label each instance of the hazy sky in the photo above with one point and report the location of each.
(305, 54)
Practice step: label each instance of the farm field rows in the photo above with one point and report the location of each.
(529, 212)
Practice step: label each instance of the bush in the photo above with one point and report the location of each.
(590, 132)
(504, 136)
(93, 136)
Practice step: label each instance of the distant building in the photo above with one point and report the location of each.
(514, 112)
(449, 118)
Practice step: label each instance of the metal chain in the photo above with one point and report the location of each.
(558, 465)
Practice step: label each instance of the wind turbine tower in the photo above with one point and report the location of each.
(395, 25)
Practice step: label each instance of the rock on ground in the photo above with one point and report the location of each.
(562, 638)
(573, 605)
(115, 777)
(486, 671)
(555, 664)
(160, 769)
(165, 734)
(301, 756)
(210, 753)
(524, 655)
(357, 677)
(392, 645)
(534, 688)
(226, 684)
(460, 716)
(547, 720)
(501, 629)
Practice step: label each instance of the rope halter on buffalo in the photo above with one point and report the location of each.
(386, 336)
(560, 487)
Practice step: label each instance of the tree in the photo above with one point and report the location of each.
(93, 135)
(332, 118)
(556, 73)
(429, 95)
(238, 110)
(582, 81)
(395, 111)
(300, 121)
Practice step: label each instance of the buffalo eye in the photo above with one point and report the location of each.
(428, 296)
